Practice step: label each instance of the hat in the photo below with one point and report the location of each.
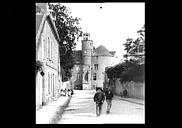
(99, 88)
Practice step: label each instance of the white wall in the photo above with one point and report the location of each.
(102, 61)
(50, 66)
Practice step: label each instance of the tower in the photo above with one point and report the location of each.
(87, 50)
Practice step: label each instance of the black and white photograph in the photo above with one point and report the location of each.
(90, 63)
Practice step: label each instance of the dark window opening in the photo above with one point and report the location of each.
(94, 76)
(95, 66)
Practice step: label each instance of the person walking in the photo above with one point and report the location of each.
(71, 91)
(109, 96)
(68, 93)
(125, 93)
(99, 98)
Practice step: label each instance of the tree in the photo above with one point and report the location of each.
(133, 45)
(127, 71)
(130, 70)
(69, 33)
(142, 33)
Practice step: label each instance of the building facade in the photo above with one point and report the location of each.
(49, 81)
(88, 72)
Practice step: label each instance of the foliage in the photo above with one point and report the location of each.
(118, 70)
(135, 73)
(127, 71)
(132, 45)
(69, 32)
(67, 66)
(130, 70)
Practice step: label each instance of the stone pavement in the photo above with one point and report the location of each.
(52, 112)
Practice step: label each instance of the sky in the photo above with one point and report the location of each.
(110, 25)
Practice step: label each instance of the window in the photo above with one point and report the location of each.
(94, 76)
(48, 83)
(95, 66)
(52, 50)
(53, 84)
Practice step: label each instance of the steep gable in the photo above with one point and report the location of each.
(38, 21)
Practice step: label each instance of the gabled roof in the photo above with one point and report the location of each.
(41, 16)
(38, 21)
(102, 51)
(52, 24)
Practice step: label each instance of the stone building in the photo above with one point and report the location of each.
(48, 80)
(89, 69)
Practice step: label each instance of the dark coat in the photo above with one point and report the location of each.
(125, 92)
(71, 92)
(109, 96)
(99, 97)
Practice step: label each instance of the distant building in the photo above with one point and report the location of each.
(89, 69)
(49, 82)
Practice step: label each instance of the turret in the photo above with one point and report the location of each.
(87, 50)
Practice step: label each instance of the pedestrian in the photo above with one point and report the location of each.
(61, 93)
(64, 92)
(99, 98)
(125, 93)
(109, 96)
(68, 92)
(71, 91)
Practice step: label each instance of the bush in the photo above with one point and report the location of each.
(136, 74)
(127, 71)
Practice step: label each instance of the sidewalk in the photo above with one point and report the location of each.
(132, 100)
(46, 114)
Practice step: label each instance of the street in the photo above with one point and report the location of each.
(75, 51)
(81, 110)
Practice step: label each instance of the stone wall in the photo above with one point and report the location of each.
(135, 89)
